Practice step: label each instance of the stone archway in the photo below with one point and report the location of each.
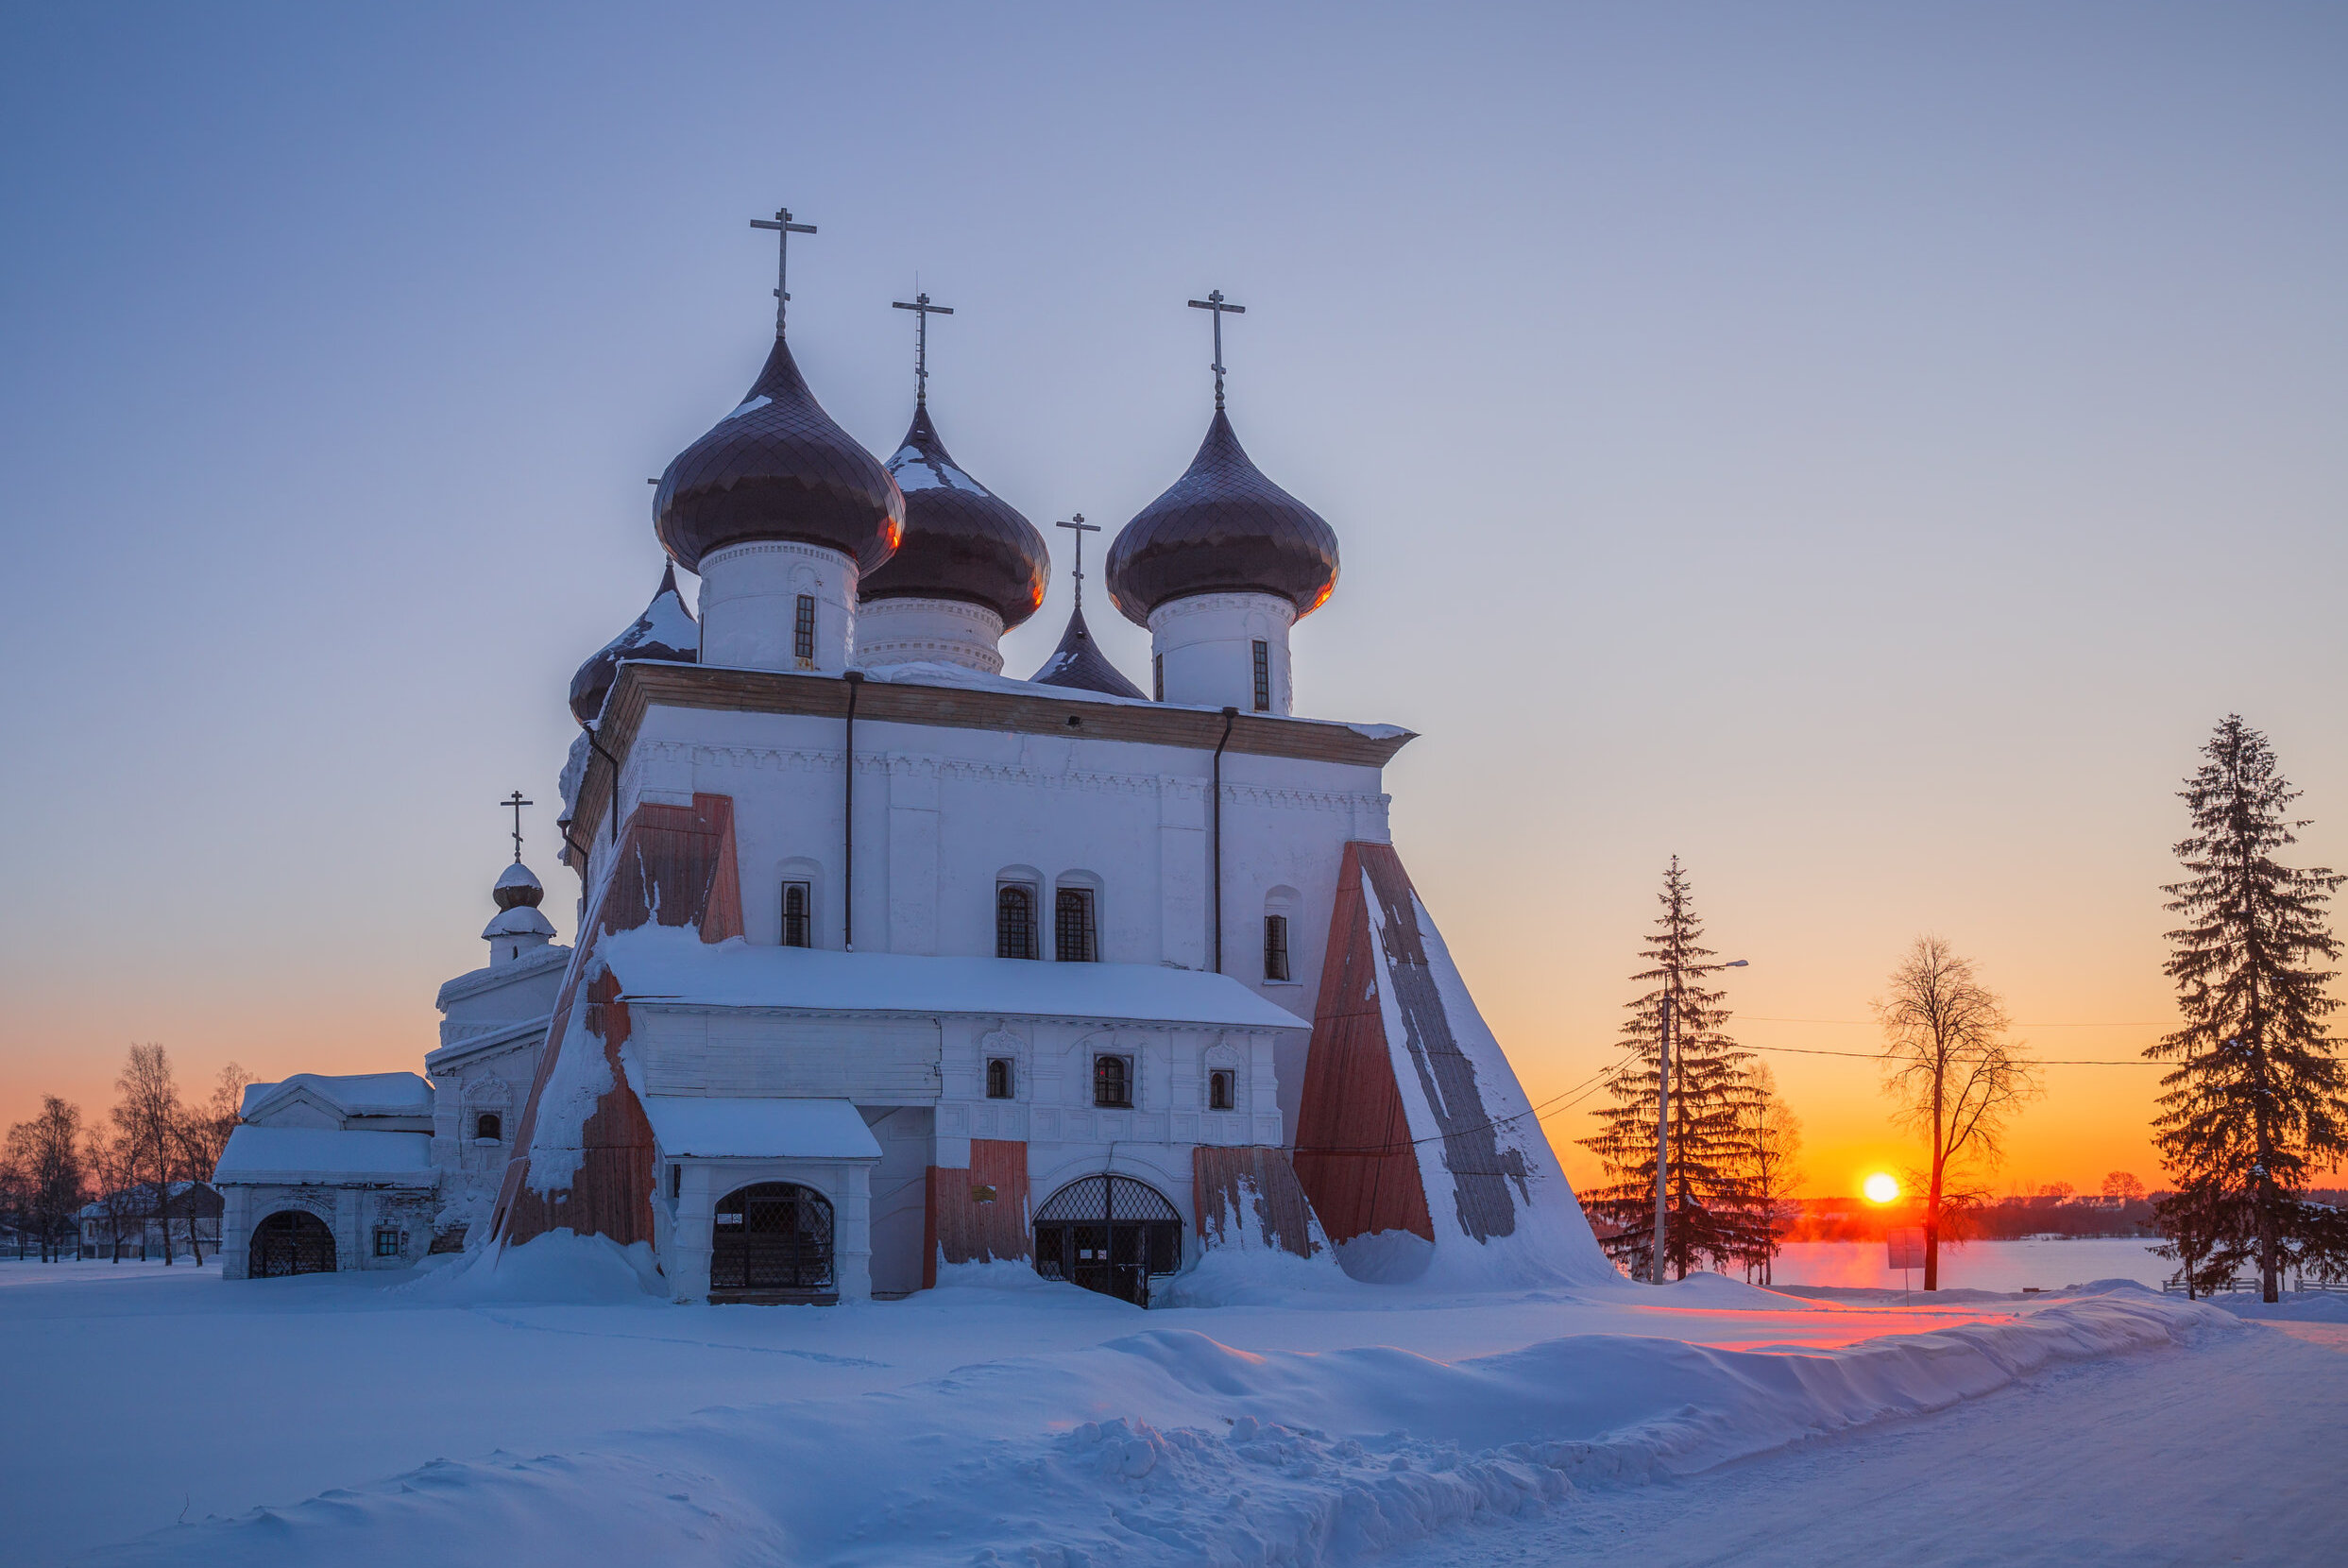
(772, 1242)
(291, 1241)
(1109, 1233)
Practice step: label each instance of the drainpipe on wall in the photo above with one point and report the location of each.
(847, 820)
(1230, 715)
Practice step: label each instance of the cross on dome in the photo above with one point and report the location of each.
(515, 803)
(923, 309)
(1080, 528)
(1221, 308)
(783, 229)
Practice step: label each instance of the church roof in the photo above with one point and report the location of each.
(666, 630)
(719, 1127)
(1222, 528)
(778, 467)
(962, 541)
(662, 964)
(272, 1154)
(1079, 662)
(364, 1094)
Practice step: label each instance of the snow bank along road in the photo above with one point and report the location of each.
(998, 1420)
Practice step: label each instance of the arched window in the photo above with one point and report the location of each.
(1275, 946)
(1113, 1082)
(803, 632)
(1015, 920)
(489, 1126)
(1221, 1095)
(1262, 676)
(998, 1078)
(1074, 933)
(798, 915)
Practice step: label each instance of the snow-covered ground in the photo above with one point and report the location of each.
(1978, 1265)
(403, 1419)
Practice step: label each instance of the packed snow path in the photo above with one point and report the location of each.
(1302, 1423)
(2232, 1454)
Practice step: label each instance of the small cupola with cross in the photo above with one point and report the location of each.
(517, 928)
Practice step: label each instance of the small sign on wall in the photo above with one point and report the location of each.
(982, 1193)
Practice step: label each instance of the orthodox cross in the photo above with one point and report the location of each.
(783, 229)
(1215, 302)
(513, 802)
(1080, 528)
(923, 309)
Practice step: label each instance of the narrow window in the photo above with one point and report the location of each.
(1074, 938)
(1113, 1082)
(1219, 1095)
(1014, 921)
(676, 1182)
(386, 1242)
(803, 632)
(488, 1125)
(797, 928)
(998, 1078)
(1157, 676)
(1262, 676)
(1275, 946)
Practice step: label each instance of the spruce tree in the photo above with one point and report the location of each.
(1708, 1216)
(2257, 1098)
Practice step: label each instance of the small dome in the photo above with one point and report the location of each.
(665, 630)
(1222, 528)
(517, 887)
(521, 922)
(961, 540)
(777, 468)
(1079, 662)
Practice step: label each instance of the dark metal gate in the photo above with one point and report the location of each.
(772, 1242)
(1109, 1233)
(290, 1242)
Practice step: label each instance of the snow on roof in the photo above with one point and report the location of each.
(721, 1128)
(661, 963)
(522, 920)
(257, 1154)
(363, 1094)
(254, 1095)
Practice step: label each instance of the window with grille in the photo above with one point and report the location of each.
(1221, 1090)
(1113, 1082)
(798, 915)
(1014, 921)
(1275, 946)
(803, 632)
(488, 1125)
(386, 1242)
(1074, 940)
(998, 1078)
(1157, 676)
(1262, 676)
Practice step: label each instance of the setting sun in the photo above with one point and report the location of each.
(1882, 1187)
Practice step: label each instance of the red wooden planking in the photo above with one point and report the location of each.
(1255, 1188)
(963, 1228)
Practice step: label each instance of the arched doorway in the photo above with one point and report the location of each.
(290, 1242)
(1109, 1233)
(772, 1242)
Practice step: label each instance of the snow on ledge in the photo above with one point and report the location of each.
(259, 1156)
(719, 1127)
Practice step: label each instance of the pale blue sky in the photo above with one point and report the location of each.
(1859, 449)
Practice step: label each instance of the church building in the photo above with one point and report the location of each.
(888, 962)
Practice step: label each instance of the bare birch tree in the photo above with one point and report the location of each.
(148, 1117)
(1947, 1065)
(1769, 1141)
(46, 1153)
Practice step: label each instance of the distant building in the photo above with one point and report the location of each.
(130, 1223)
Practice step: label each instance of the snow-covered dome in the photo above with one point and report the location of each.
(777, 468)
(961, 540)
(1079, 662)
(1222, 528)
(665, 630)
(517, 887)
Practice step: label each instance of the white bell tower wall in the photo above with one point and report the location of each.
(947, 631)
(750, 616)
(1204, 651)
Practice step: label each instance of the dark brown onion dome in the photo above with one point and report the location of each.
(517, 887)
(665, 630)
(777, 468)
(961, 540)
(1222, 528)
(1079, 662)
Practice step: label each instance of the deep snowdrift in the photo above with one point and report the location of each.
(1166, 1445)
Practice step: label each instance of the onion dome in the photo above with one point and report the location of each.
(777, 468)
(961, 540)
(666, 630)
(1222, 528)
(1079, 662)
(517, 887)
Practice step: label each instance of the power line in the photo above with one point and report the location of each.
(1870, 1023)
(2032, 1061)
